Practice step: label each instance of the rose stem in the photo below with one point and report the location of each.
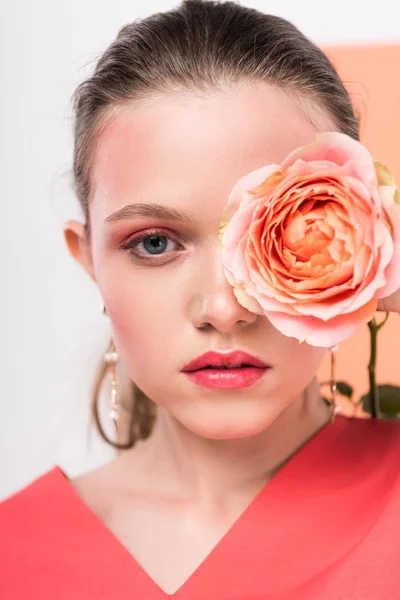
(373, 388)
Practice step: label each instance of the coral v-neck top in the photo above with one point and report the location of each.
(325, 527)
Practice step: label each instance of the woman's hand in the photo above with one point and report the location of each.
(390, 303)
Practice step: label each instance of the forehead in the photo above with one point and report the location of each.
(174, 144)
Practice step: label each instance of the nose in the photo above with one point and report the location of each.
(214, 305)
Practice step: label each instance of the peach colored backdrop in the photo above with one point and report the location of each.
(371, 75)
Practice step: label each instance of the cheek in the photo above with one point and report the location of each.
(299, 365)
(145, 317)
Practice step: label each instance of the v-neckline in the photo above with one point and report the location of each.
(314, 447)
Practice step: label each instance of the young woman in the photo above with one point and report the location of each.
(229, 485)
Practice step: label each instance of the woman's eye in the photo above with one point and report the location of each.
(151, 244)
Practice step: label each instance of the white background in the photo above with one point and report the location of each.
(52, 330)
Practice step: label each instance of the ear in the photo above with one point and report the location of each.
(78, 246)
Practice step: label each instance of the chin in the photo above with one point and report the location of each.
(228, 427)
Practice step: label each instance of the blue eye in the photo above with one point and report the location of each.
(154, 244)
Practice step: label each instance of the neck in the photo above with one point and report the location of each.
(211, 471)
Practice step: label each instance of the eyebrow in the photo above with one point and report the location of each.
(149, 210)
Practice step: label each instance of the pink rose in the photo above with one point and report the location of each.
(313, 243)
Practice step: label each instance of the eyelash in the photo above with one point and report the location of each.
(134, 241)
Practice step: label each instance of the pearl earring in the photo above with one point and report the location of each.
(111, 358)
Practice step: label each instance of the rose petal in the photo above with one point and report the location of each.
(247, 301)
(339, 148)
(320, 333)
(243, 186)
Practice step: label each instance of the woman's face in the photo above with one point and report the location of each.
(167, 298)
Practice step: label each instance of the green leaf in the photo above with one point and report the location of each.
(345, 389)
(384, 174)
(389, 400)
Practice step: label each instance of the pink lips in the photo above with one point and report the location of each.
(199, 371)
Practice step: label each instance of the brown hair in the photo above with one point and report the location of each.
(199, 45)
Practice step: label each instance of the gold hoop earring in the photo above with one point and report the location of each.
(333, 383)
